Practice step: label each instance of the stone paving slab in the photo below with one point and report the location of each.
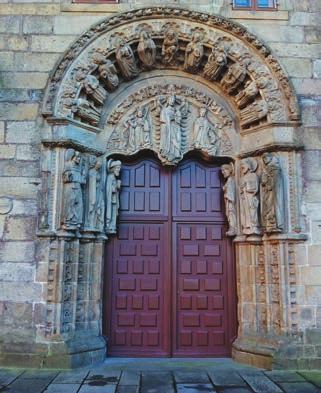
(260, 382)
(75, 376)
(27, 386)
(236, 390)
(312, 376)
(130, 378)
(191, 377)
(127, 389)
(8, 376)
(195, 388)
(284, 376)
(62, 388)
(299, 387)
(226, 378)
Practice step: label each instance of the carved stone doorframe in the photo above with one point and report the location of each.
(168, 80)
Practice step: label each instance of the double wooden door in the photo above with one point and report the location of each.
(169, 274)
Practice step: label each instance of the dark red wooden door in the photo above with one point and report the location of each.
(170, 280)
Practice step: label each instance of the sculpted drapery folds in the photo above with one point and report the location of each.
(146, 49)
(106, 70)
(113, 186)
(86, 110)
(170, 46)
(216, 62)
(204, 133)
(272, 194)
(170, 119)
(126, 60)
(137, 130)
(249, 197)
(194, 53)
(229, 189)
(247, 95)
(234, 77)
(74, 177)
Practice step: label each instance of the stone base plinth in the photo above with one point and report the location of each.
(62, 355)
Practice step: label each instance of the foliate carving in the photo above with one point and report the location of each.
(205, 135)
(249, 197)
(106, 70)
(194, 52)
(216, 62)
(171, 114)
(95, 209)
(126, 60)
(146, 49)
(170, 46)
(254, 113)
(272, 194)
(229, 189)
(74, 178)
(113, 185)
(86, 110)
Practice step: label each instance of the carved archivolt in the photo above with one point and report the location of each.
(220, 51)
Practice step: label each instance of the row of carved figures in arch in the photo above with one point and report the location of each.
(90, 193)
(87, 102)
(261, 198)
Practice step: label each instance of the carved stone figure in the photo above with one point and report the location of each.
(204, 133)
(234, 77)
(254, 112)
(170, 119)
(170, 46)
(94, 90)
(86, 111)
(229, 189)
(249, 197)
(137, 130)
(95, 202)
(216, 62)
(107, 71)
(146, 49)
(126, 60)
(272, 194)
(112, 195)
(247, 94)
(194, 53)
(74, 177)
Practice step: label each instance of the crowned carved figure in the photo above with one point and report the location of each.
(107, 71)
(204, 133)
(249, 197)
(95, 201)
(74, 178)
(254, 112)
(171, 113)
(170, 46)
(146, 49)
(126, 60)
(194, 53)
(272, 194)
(216, 62)
(229, 189)
(93, 89)
(234, 77)
(113, 185)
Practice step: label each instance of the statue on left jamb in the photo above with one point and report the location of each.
(74, 178)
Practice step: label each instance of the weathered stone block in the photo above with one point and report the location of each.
(313, 336)
(20, 228)
(297, 69)
(74, 24)
(17, 272)
(311, 275)
(304, 19)
(54, 44)
(312, 34)
(22, 132)
(24, 207)
(312, 294)
(28, 153)
(314, 255)
(10, 291)
(307, 86)
(311, 112)
(29, 9)
(317, 69)
(24, 80)
(7, 151)
(26, 111)
(33, 61)
(17, 251)
(10, 24)
(19, 95)
(271, 32)
(14, 42)
(296, 50)
(19, 187)
(2, 131)
(37, 24)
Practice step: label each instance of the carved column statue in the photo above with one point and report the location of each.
(112, 195)
(272, 194)
(170, 46)
(74, 177)
(194, 53)
(204, 133)
(229, 189)
(146, 49)
(249, 197)
(126, 60)
(216, 62)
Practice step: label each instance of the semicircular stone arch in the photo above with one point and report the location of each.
(110, 96)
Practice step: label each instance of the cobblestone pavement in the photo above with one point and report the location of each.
(160, 376)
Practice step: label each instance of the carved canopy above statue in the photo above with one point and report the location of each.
(143, 76)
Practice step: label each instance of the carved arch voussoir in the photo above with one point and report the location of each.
(248, 75)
